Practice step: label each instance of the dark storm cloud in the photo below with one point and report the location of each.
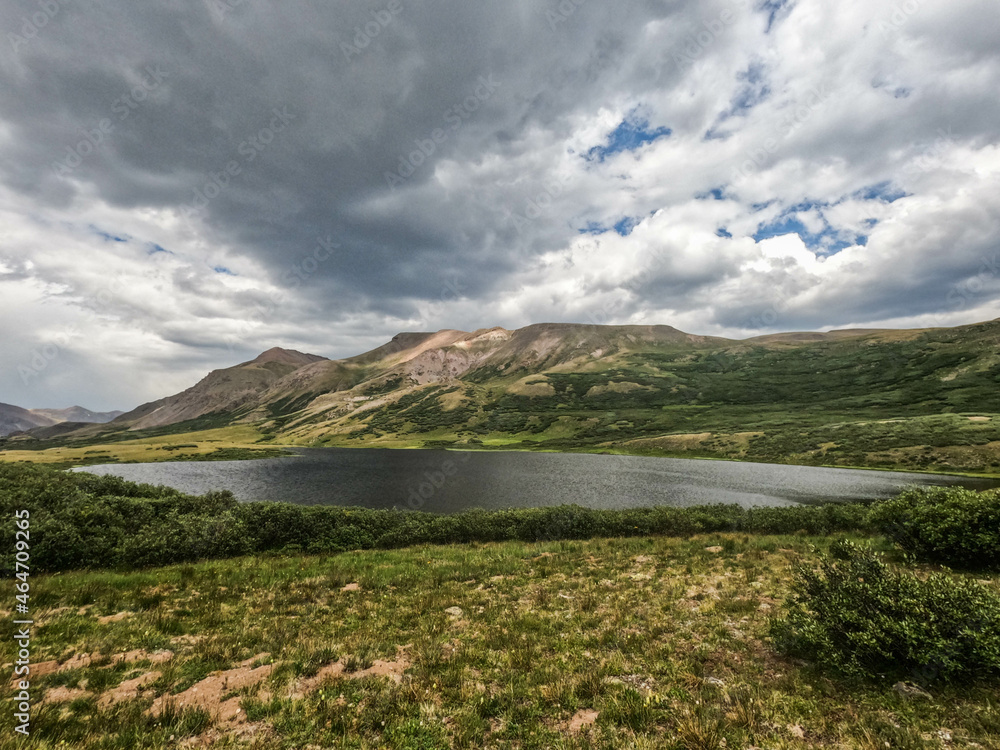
(209, 82)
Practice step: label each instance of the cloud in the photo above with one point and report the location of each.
(185, 185)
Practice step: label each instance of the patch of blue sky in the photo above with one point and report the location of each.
(154, 249)
(625, 226)
(622, 227)
(632, 133)
(715, 194)
(773, 9)
(593, 227)
(827, 241)
(223, 270)
(753, 91)
(106, 236)
(882, 191)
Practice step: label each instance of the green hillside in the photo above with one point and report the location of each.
(921, 399)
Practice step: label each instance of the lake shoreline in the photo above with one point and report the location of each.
(447, 480)
(289, 451)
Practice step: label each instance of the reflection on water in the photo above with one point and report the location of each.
(449, 481)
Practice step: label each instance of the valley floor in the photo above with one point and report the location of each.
(609, 643)
(941, 443)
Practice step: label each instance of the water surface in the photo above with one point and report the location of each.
(449, 481)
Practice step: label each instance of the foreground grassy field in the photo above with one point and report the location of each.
(642, 642)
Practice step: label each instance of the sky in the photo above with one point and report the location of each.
(187, 183)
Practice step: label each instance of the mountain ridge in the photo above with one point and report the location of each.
(821, 396)
(18, 419)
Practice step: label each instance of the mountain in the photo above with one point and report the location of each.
(857, 397)
(15, 419)
(221, 390)
(282, 381)
(78, 414)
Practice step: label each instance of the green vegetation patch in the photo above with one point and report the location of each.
(653, 642)
(859, 616)
(956, 527)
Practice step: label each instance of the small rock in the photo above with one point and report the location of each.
(909, 690)
(454, 611)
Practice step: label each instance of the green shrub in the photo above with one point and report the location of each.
(864, 619)
(954, 526)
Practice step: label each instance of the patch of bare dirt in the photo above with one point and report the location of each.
(77, 661)
(139, 654)
(43, 668)
(63, 694)
(582, 719)
(352, 587)
(208, 694)
(253, 732)
(187, 640)
(392, 669)
(114, 618)
(127, 690)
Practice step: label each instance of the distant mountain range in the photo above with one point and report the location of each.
(15, 419)
(849, 397)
